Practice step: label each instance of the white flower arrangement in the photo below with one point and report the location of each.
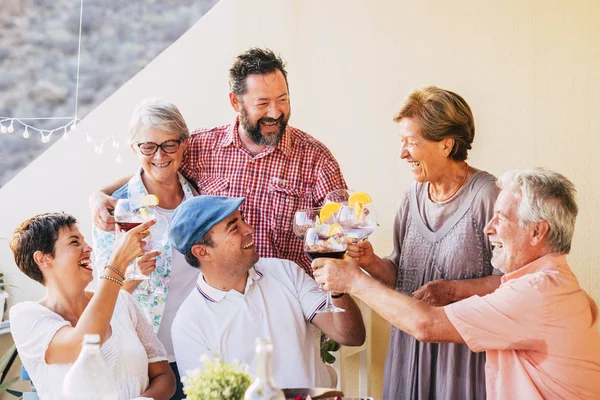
(217, 380)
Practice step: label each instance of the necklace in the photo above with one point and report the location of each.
(431, 197)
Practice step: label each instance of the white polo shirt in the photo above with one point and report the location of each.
(278, 303)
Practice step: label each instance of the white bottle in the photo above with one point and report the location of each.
(89, 377)
(263, 387)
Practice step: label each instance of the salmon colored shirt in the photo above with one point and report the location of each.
(539, 330)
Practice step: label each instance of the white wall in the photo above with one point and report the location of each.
(529, 69)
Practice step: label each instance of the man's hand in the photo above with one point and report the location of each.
(99, 204)
(336, 276)
(436, 293)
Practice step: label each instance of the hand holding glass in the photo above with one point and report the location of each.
(156, 240)
(129, 214)
(325, 241)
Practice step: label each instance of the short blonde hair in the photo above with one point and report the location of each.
(155, 113)
(441, 114)
(545, 196)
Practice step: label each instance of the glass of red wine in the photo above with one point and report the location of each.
(129, 214)
(326, 241)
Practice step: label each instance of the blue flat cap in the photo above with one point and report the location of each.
(194, 217)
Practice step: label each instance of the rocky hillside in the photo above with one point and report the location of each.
(38, 58)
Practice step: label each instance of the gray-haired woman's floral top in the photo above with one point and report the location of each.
(103, 244)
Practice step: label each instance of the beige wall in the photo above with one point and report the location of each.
(529, 69)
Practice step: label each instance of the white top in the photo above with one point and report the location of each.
(127, 352)
(278, 303)
(183, 280)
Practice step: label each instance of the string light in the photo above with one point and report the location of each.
(72, 124)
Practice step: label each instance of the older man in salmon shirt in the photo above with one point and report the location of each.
(539, 329)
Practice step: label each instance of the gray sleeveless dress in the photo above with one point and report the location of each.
(439, 241)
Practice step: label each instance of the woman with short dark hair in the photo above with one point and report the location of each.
(50, 249)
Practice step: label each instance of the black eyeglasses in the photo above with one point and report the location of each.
(169, 147)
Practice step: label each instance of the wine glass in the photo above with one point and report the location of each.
(305, 219)
(325, 241)
(156, 240)
(129, 214)
(339, 196)
(358, 220)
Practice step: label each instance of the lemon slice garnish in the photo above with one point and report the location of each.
(329, 210)
(357, 200)
(334, 229)
(149, 200)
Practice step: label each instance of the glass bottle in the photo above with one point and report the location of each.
(89, 377)
(263, 387)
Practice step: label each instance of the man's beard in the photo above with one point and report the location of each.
(253, 130)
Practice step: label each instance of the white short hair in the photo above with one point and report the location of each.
(159, 114)
(545, 196)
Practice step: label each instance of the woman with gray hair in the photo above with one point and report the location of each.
(158, 136)
(440, 253)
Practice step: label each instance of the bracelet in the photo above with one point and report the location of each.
(116, 271)
(337, 296)
(110, 278)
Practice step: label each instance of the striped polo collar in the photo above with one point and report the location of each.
(215, 295)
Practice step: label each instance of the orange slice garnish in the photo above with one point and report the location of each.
(149, 200)
(357, 200)
(334, 229)
(329, 210)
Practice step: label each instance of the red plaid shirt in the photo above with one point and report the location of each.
(295, 174)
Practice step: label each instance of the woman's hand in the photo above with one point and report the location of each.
(362, 252)
(147, 262)
(437, 293)
(130, 246)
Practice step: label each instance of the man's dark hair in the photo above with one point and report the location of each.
(254, 61)
(205, 240)
(37, 234)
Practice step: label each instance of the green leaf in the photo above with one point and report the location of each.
(15, 393)
(328, 358)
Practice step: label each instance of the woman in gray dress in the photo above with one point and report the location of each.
(440, 252)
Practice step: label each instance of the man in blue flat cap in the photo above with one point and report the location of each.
(239, 297)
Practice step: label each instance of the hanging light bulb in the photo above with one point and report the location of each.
(74, 126)
(98, 146)
(115, 143)
(26, 133)
(2, 128)
(65, 135)
(46, 138)
(88, 138)
(11, 127)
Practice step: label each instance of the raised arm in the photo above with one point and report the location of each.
(347, 328)
(65, 346)
(443, 292)
(379, 268)
(101, 202)
(424, 322)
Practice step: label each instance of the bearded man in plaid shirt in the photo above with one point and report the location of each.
(278, 169)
